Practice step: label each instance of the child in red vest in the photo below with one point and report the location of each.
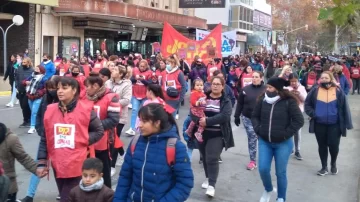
(197, 102)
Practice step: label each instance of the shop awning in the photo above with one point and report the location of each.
(124, 12)
(40, 2)
(6, 16)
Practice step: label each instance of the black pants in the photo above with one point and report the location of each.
(65, 185)
(328, 138)
(211, 150)
(120, 151)
(105, 158)
(12, 197)
(356, 85)
(24, 104)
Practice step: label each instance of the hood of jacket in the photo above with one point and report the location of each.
(168, 132)
(3, 132)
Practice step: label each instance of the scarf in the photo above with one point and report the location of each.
(34, 83)
(98, 94)
(96, 186)
(271, 100)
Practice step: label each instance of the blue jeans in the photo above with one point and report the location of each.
(34, 107)
(34, 182)
(136, 104)
(281, 152)
(13, 94)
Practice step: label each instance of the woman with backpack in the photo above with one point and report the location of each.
(150, 171)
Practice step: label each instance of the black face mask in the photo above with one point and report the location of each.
(36, 73)
(326, 85)
(339, 73)
(271, 94)
(74, 74)
(52, 93)
(25, 66)
(45, 60)
(199, 65)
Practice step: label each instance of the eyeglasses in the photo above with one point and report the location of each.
(216, 84)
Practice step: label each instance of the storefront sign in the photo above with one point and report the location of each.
(174, 42)
(262, 19)
(119, 9)
(228, 40)
(241, 37)
(40, 2)
(101, 25)
(202, 3)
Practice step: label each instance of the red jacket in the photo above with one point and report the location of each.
(80, 79)
(212, 68)
(355, 72)
(99, 65)
(67, 138)
(139, 89)
(196, 96)
(311, 80)
(346, 73)
(171, 80)
(246, 79)
(57, 62)
(87, 69)
(62, 68)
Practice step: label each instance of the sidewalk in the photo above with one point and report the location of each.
(5, 88)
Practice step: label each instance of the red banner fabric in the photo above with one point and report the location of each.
(174, 42)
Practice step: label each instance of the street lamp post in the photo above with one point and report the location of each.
(17, 20)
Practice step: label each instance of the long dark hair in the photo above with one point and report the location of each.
(156, 89)
(52, 83)
(94, 78)
(270, 69)
(156, 112)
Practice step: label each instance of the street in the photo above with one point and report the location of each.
(235, 183)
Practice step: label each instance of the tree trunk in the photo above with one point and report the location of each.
(336, 47)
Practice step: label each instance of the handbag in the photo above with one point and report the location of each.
(171, 91)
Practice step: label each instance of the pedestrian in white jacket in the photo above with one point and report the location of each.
(298, 90)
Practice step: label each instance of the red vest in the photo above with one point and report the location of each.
(238, 72)
(101, 109)
(171, 80)
(63, 68)
(87, 69)
(246, 79)
(311, 80)
(159, 74)
(99, 65)
(57, 62)
(80, 79)
(139, 89)
(355, 72)
(211, 69)
(67, 138)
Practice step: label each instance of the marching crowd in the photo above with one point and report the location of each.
(79, 109)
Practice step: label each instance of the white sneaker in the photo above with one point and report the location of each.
(113, 171)
(205, 184)
(280, 200)
(17, 102)
(267, 195)
(177, 117)
(31, 130)
(130, 106)
(120, 160)
(130, 132)
(10, 104)
(210, 192)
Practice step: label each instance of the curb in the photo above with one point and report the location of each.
(5, 93)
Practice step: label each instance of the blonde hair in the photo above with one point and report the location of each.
(331, 75)
(286, 67)
(144, 61)
(126, 72)
(173, 59)
(28, 61)
(109, 62)
(337, 68)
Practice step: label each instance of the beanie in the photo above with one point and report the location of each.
(277, 83)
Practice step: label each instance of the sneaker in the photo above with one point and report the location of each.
(220, 160)
(198, 136)
(210, 191)
(113, 171)
(298, 156)
(130, 132)
(252, 165)
(280, 200)
(31, 130)
(177, 117)
(58, 197)
(323, 171)
(10, 104)
(267, 195)
(27, 199)
(334, 170)
(120, 160)
(24, 125)
(130, 106)
(17, 102)
(205, 184)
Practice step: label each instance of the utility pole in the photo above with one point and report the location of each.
(336, 48)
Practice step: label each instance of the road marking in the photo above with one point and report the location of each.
(6, 109)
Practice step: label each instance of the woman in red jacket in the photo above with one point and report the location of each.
(141, 77)
(355, 75)
(75, 73)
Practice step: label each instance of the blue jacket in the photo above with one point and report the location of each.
(146, 176)
(257, 67)
(344, 84)
(49, 68)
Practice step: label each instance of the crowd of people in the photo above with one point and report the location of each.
(79, 109)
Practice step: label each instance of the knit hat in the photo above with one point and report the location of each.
(277, 83)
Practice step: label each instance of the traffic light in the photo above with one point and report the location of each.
(306, 27)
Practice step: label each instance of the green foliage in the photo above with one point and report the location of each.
(342, 13)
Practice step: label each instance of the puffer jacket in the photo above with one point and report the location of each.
(277, 122)
(124, 89)
(146, 176)
(20, 75)
(11, 149)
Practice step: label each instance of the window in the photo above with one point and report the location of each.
(167, 4)
(241, 13)
(235, 13)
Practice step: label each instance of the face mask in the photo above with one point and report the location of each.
(339, 73)
(74, 74)
(226, 62)
(153, 69)
(24, 66)
(271, 94)
(36, 73)
(45, 60)
(52, 93)
(326, 85)
(168, 67)
(199, 65)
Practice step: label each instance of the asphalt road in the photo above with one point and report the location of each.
(235, 183)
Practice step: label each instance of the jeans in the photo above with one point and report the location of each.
(356, 85)
(34, 107)
(252, 137)
(281, 152)
(13, 93)
(34, 182)
(136, 105)
(297, 140)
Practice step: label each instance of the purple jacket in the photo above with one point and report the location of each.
(197, 72)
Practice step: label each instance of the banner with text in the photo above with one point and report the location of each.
(174, 42)
(228, 41)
